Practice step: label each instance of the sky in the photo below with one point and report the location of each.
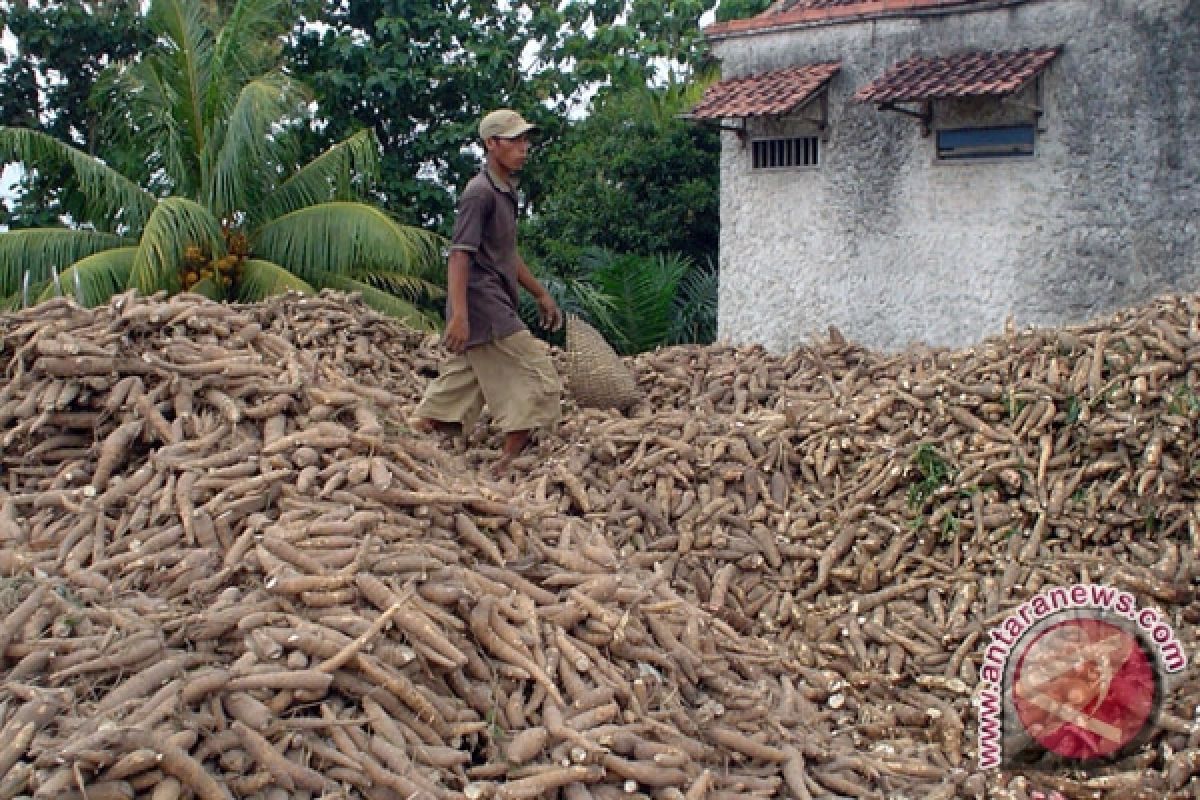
(9, 176)
(8, 179)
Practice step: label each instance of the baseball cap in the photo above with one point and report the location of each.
(504, 123)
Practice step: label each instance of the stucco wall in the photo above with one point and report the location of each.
(892, 247)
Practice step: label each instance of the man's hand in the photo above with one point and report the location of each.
(548, 313)
(458, 330)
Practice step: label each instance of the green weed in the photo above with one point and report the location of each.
(935, 473)
(1013, 405)
(1074, 409)
(950, 527)
(1183, 401)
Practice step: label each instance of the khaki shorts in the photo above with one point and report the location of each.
(514, 376)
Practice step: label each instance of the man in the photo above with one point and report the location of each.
(496, 359)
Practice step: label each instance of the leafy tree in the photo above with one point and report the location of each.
(219, 203)
(625, 231)
(60, 49)
(648, 301)
(695, 312)
(741, 9)
(421, 73)
(417, 72)
(632, 178)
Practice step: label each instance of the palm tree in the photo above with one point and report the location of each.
(215, 200)
(649, 301)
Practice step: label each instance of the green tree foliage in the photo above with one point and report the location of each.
(615, 167)
(741, 9)
(644, 292)
(220, 203)
(625, 230)
(638, 302)
(421, 72)
(632, 177)
(60, 49)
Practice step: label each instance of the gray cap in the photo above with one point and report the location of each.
(503, 123)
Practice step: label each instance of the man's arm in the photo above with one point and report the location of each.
(551, 317)
(458, 327)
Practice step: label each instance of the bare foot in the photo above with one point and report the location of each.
(514, 443)
(500, 468)
(426, 425)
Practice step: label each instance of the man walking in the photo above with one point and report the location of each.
(496, 360)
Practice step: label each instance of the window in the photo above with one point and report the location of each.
(966, 144)
(799, 151)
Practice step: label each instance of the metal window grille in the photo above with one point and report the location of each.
(797, 151)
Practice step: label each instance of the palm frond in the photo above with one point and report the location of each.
(188, 50)
(581, 297)
(137, 103)
(643, 293)
(208, 287)
(109, 193)
(342, 238)
(261, 279)
(695, 319)
(678, 97)
(573, 296)
(593, 258)
(250, 23)
(662, 105)
(37, 250)
(93, 280)
(578, 292)
(381, 301)
(247, 152)
(692, 92)
(175, 224)
(315, 182)
(411, 287)
(112, 96)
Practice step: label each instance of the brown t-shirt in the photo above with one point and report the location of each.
(486, 227)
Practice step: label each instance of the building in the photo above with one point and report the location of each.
(920, 170)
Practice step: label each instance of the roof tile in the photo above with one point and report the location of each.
(798, 5)
(767, 93)
(962, 75)
(792, 12)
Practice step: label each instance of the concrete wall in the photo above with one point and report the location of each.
(893, 248)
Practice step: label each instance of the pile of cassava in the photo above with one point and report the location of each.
(230, 569)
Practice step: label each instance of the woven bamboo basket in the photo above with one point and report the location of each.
(595, 375)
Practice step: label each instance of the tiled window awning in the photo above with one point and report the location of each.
(765, 94)
(964, 75)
